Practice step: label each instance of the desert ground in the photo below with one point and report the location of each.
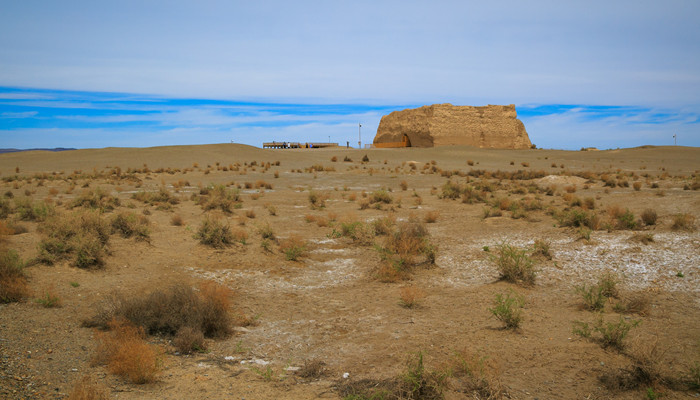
(352, 274)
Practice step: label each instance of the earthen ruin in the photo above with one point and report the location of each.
(492, 126)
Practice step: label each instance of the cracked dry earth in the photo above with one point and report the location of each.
(329, 305)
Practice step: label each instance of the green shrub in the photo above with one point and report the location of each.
(215, 233)
(27, 210)
(593, 298)
(612, 334)
(514, 265)
(626, 220)
(508, 309)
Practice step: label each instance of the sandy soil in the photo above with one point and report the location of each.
(329, 306)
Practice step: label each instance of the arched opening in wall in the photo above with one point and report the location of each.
(406, 141)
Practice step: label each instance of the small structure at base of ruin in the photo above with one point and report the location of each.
(297, 145)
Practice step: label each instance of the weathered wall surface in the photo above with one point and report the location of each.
(496, 127)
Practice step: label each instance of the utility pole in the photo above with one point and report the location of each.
(359, 142)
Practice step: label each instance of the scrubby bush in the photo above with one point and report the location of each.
(214, 232)
(83, 235)
(219, 197)
(514, 265)
(129, 224)
(27, 210)
(577, 217)
(96, 199)
(381, 196)
(162, 199)
(13, 280)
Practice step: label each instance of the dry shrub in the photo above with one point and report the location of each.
(646, 370)
(313, 369)
(410, 296)
(177, 220)
(96, 199)
(310, 218)
(570, 189)
(352, 197)
(415, 383)
(403, 185)
(293, 247)
(129, 224)
(239, 235)
(649, 217)
(83, 235)
(476, 375)
(87, 389)
(431, 217)
(214, 232)
(219, 197)
(634, 303)
(250, 213)
(644, 238)
(637, 186)
(49, 299)
(188, 340)
(682, 221)
(125, 352)
(321, 221)
(167, 311)
(13, 281)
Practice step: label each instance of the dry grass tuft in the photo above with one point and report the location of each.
(176, 220)
(683, 222)
(87, 389)
(431, 217)
(410, 296)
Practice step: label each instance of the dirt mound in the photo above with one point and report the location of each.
(492, 126)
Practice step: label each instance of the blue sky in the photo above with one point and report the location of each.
(146, 73)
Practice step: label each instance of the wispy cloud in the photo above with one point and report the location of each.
(45, 118)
